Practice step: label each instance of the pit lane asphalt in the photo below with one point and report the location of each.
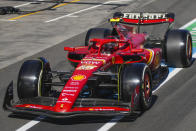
(174, 108)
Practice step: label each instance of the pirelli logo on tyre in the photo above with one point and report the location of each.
(78, 77)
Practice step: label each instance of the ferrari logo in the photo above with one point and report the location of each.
(61, 106)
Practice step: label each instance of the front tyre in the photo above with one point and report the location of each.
(32, 76)
(135, 85)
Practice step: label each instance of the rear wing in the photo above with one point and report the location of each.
(143, 18)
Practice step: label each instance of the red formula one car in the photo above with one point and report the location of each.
(115, 72)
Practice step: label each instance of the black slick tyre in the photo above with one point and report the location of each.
(99, 33)
(178, 48)
(133, 78)
(32, 76)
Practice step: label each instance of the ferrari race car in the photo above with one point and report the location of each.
(114, 72)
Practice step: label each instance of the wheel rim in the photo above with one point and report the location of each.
(147, 88)
(189, 49)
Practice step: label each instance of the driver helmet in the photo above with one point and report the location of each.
(111, 46)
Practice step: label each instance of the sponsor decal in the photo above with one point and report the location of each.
(74, 83)
(69, 90)
(145, 16)
(35, 107)
(100, 109)
(90, 62)
(69, 102)
(67, 94)
(86, 67)
(78, 77)
(93, 61)
(72, 88)
(65, 99)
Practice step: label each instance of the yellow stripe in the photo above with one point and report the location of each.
(18, 17)
(40, 84)
(150, 56)
(24, 15)
(66, 3)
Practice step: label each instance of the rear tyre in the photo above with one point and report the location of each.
(135, 85)
(32, 76)
(178, 48)
(99, 33)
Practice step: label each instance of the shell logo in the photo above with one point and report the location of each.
(78, 77)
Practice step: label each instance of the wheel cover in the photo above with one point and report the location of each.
(147, 94)
(189, 48)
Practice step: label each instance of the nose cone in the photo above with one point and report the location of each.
(61, 107)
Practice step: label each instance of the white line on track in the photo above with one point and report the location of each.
(68, 15)
(111, 123)
(73, 16)
(6, 20)
(25, 4)
(31, 124)
(22, 5)
(188, 24)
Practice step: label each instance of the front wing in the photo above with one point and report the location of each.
(45, 106)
